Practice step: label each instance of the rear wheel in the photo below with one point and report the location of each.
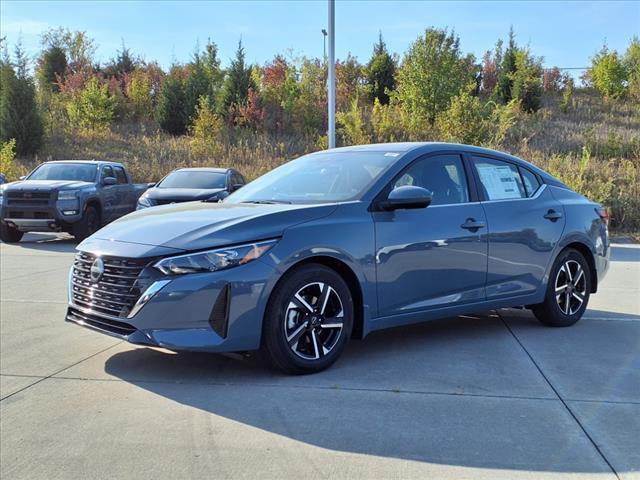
(568, 291)
(9, 234)
(88, 224)
(308, 320)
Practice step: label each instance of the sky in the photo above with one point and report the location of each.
(565, 33)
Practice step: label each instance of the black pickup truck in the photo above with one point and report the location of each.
(74, 196)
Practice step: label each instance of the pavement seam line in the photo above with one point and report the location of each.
(566, 406)
(59, 371)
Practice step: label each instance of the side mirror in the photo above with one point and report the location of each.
(407, 197)
(109, 181)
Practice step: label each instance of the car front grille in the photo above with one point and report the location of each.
(114, 293)
(28, 199)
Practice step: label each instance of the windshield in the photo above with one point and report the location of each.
(317, 178)
(81, 172)
(193, 179)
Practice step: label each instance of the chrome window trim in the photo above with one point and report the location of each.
(536, 195)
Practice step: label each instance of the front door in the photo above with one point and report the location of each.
(432, 257)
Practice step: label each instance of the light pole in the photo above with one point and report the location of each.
(331, 80)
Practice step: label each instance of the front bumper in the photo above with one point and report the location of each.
(54, 216)
(214, 312)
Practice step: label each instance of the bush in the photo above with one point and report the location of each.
(170, 112)
(351, 125)
(464, 121)
(8, 165)
(92, 110)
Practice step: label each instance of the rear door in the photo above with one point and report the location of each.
(124, 192)
(431, 257)
(109, 193)
(524, 224)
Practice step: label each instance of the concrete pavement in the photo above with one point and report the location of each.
(491, 395)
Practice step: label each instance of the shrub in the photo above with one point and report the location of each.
(351, 125)
(464, 121)
(632, 66)
(92, 110)
(139, 95)
(8, 160)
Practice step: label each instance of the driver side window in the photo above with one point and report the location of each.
(106, 172)
(443, 175)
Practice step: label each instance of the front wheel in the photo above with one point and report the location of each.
(88, 224)
(308, 321)
(9, 234)
(568, 291)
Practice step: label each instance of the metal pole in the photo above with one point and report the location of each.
(331, 80)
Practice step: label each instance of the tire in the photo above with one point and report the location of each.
(302, 332)
(88, 224)
(568, 291)
(9, 234)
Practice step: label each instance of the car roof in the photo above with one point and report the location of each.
(203, 169)
(92, 162)
(422, 148)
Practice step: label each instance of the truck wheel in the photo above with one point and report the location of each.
(88, 224)
(9, 234)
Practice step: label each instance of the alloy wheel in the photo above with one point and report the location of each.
(570, 287)
(314, 320)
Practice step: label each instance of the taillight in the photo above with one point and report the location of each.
(603, 213)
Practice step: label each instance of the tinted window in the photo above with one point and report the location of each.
(237, 179)
(531, 183)
(499, 180)
(120, 175)
(317, 178)
(198, 179)
(443, 175)
(106, 172)
(83, 172)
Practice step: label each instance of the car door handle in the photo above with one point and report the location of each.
(553, 215)
(471, 224)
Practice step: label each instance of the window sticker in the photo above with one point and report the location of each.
(499, 181)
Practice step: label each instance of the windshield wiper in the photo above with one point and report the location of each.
(266, 202)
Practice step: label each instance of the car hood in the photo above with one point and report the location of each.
(201, 225)
(46, 185)
(181, 194)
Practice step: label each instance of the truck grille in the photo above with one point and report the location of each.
(28, 198)
(115, 292)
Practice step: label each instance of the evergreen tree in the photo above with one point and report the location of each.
(19, 115)
(503, 91)
(170, 112)
(380, 72)
(51, 67)
(237, 83)
(204, 79)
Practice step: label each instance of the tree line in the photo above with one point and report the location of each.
(434, 89)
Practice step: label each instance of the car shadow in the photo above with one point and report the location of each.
(412, 393)
(49, 242)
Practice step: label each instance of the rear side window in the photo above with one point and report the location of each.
(120, 175)
(499, 180)
(531, 183)
(443, 175)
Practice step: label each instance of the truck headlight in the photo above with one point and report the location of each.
(214, 260)
(145, 201)
(67, 194)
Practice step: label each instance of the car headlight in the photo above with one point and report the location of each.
(145, 201)
(67, 194)
(214, 260)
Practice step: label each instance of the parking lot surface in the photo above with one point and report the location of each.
(493, 395)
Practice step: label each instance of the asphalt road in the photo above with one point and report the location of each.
(493, 395)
